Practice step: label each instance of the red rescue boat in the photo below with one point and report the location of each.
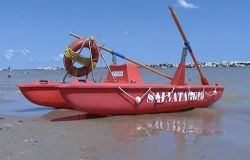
(130, 95)
(127, 94)
(123, 91)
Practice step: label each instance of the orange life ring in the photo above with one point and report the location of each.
(70, 56)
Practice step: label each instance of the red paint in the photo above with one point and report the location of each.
(179, 77)
(130, 74)
(109, 98)
(43, 93)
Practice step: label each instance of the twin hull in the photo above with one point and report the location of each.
(121, 98)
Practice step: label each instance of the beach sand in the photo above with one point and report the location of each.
(194, 134)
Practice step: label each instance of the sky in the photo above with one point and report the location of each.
(34, 33)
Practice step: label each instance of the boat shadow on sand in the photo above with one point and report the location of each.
(176, 128)
(199, 121)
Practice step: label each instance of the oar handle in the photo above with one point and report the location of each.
(176, 20)
(186, 43)
(129, 59)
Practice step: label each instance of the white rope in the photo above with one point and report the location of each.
(169, 95)
(157, 96)
(91, 58)
(213, 93)
(82, 46)
(137, 99)
(107, 66)
(204, 91)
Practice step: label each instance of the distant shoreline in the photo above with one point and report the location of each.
(169, 65)
(205, 64)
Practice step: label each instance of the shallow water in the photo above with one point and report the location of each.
(235, 80)
(221, 131)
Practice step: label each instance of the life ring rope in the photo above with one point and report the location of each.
(72, 55)
(76, 57)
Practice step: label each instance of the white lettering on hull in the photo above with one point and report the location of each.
(164, 97)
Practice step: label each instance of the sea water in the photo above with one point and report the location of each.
(235, 80)
(221, 131)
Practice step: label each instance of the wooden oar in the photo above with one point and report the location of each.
(128, 59)
(204, 81)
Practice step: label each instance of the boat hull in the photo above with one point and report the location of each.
(45, 93)
(123, 98)
(120, 98)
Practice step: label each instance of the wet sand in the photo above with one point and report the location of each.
(207, 133)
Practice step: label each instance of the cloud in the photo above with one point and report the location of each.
(58, 57)
(185, 4)
(25, 52)
(61, 55)
(9, 54)
(55, 58)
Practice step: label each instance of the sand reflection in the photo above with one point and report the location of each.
(129, 134)
(202, 122)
